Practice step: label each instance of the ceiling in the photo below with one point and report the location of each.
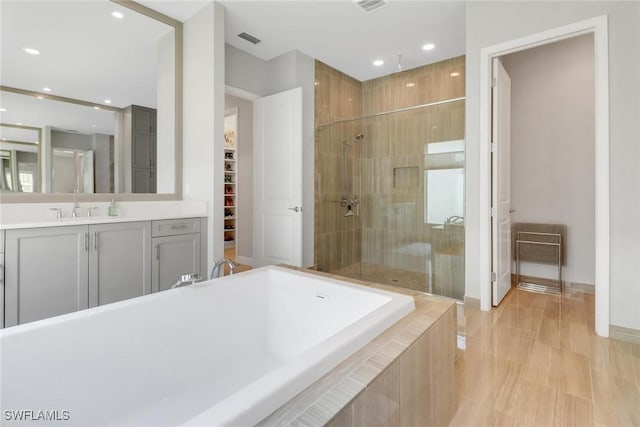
(87, 54)
(341, 34)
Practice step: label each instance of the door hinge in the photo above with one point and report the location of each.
(493, 147)
(494, 82)
(494, 276)
(493, 212)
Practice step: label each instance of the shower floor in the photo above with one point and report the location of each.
(414, 280)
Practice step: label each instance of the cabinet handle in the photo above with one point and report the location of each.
(95, 241)
(158, 252)
(178, 227)
(85, 242)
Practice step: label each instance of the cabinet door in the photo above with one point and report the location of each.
(119, 261)
(174, 256)
(143, 120)
(143, 180)
(142, 151)
(46, 273)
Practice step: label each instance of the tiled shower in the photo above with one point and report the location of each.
(403, 181)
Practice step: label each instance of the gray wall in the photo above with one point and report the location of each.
(64, 171)
(287, 71)
(244, 71)
(490, 23)
(244, 214)
(73, 141)
(553, 148)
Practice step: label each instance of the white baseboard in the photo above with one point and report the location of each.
(244, 260)
(582, 287)
(624, 334)
(472, 302)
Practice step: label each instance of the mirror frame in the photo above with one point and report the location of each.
(10, 197)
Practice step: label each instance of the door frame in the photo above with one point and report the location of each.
(249, 96)
(599, 28)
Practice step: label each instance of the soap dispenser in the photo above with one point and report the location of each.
(113, 209)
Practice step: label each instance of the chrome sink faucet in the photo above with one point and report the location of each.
(217, 269)
(187, 279)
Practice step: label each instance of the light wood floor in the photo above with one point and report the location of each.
(536, 361)
(231, 254)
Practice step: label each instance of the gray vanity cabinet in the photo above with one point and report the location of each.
(119, 261)
(176, 250)
(56, 270)
(46, 273)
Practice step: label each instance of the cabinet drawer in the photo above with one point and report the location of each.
(172, 227)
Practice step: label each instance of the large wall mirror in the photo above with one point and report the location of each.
(90, 101)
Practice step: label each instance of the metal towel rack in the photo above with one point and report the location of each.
(528, 238)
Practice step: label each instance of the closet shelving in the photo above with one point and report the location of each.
(230, 186)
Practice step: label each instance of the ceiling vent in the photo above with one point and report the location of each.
(371, 5)
(249, 38)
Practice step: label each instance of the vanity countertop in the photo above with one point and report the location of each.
(93, 220)
(16, 216)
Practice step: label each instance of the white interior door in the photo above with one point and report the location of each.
(277, 199)
(501, 183)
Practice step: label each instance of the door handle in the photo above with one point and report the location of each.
(511, 210)
(296, 209)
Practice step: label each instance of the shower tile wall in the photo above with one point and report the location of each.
(338, 240)
(395, 245)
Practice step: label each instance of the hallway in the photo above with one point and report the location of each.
(535, 360)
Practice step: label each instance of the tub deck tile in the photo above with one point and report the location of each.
(348, 395)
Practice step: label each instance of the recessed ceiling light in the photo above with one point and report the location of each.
(378, 62)
(428, 46)
(19, 124)
(40, 97)
(107, 101)
(3, 109)
(31, 51)
(46, 89)
(95, 107)
(117, 14)
(410, 84)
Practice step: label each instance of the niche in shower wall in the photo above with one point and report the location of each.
(406, 177)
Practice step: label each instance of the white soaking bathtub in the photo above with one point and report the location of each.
(223, 352)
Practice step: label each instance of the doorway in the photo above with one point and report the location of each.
(598, 28)
(238, 178)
